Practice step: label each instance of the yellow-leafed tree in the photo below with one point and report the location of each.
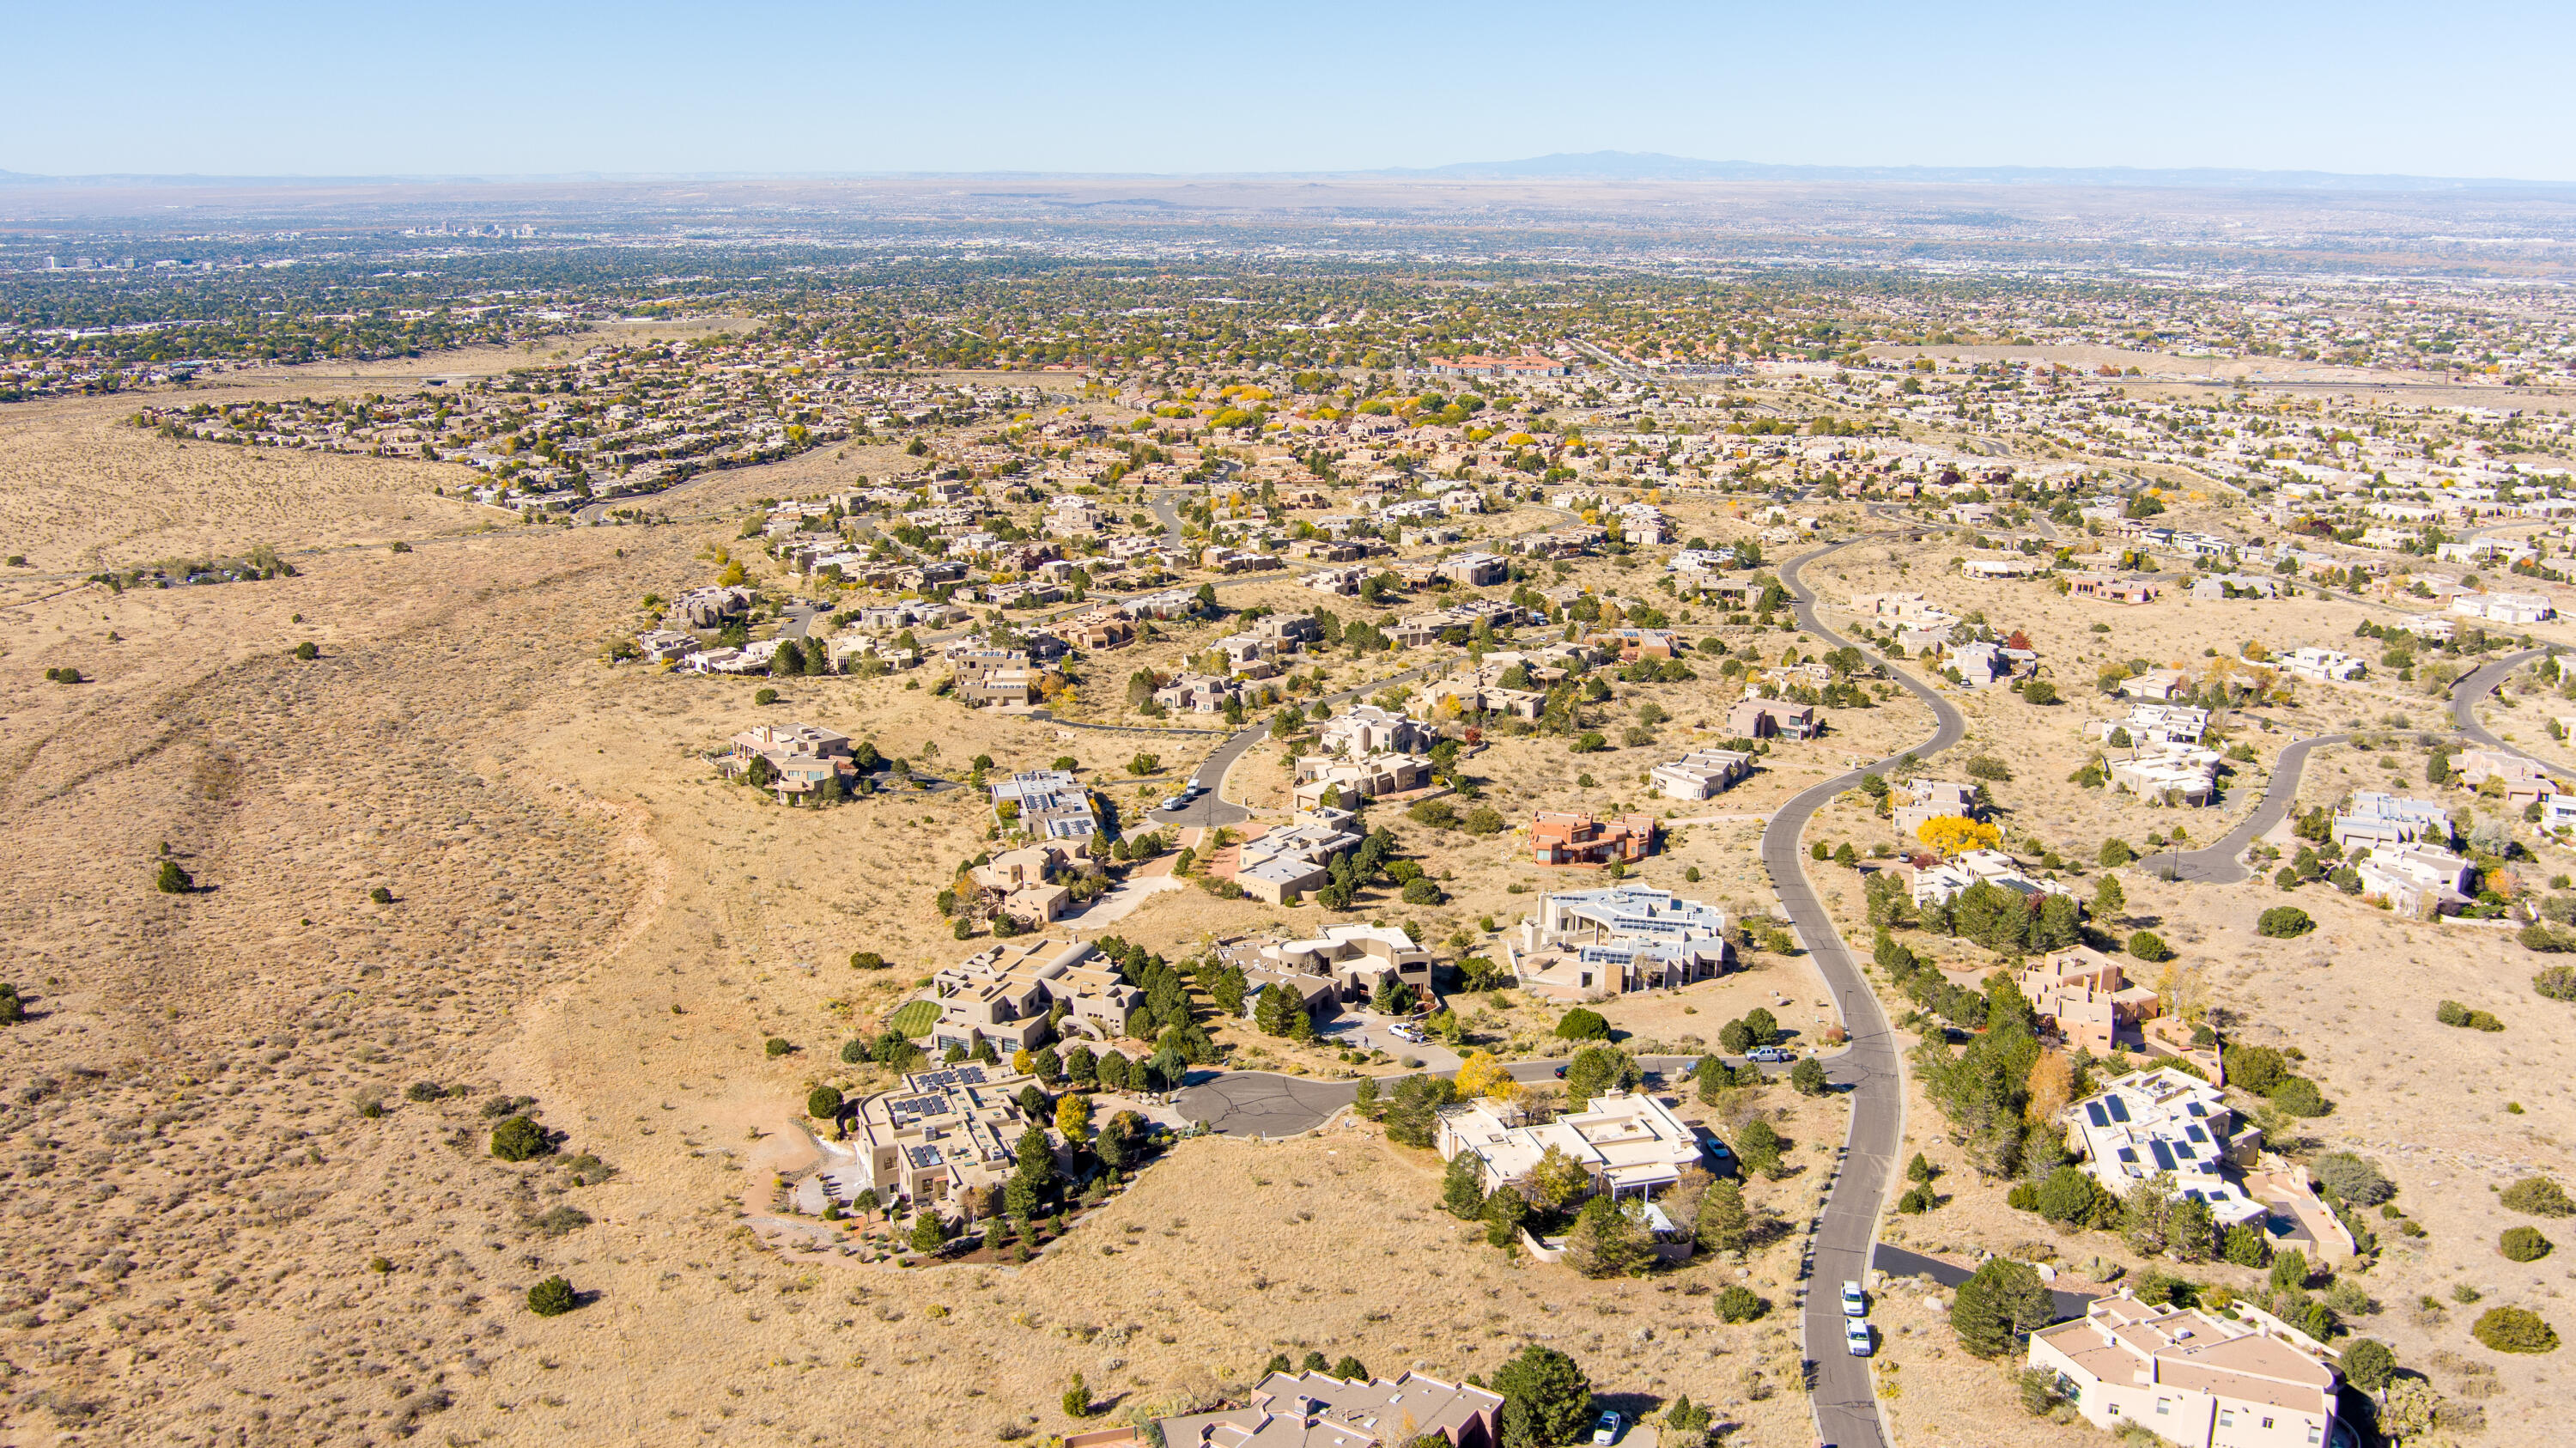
(1479, 1074)
(1955, 834)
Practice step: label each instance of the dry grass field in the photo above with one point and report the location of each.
(245, 1174)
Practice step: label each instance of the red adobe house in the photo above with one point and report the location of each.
(1578, 839)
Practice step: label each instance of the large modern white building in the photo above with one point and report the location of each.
(1588, 943)
(1628, 1145)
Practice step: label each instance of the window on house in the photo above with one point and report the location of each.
(2267, 1422)
(2164, 1408)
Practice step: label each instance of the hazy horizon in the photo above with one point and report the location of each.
(793, 88)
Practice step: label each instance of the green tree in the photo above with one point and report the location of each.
(1725, 1224)
(1583, 1024)
(172, 880)
(2368, 1364)
(2284, 922)
(1994, 1307)
(2146, 945)
(1599, 1071)
(1737, 1303)
(1505, 1210)
(2115, 853)
(2109, 899)
(1462, 1193)
(1607, 1241)
(823, 1103)
(553, 1297)
(1552, 1397)
(929, 1232)
(2245, 1246)
(1808, 1076)
(1077, 1398)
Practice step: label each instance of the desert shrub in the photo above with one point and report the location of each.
(2523, 1244)
(2351, 1179)
(2148, 946)
(823, 1102)
(1583, 1024)
(518, 1139)
(2514, 1329)
(2284, 922)
(2558, 982)
(587, 1170)
(2299, 1096)
(775, 1046)
(552, 1298)
(560, 1219)
(867, 960)
(2039, 1392)
(2452, 1013)
(424, 1091)
(308, 651)
(172, 880)
(2537, 1196)
(1737, 1303)
(381, 896)
(12, 1009)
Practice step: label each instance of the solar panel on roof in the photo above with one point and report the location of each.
(2119, 1110)
(2093, 1113)
(2162, 1154)
(971, 1075)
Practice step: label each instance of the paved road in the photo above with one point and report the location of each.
(1897, 1262)
(2219, 864)
(1845, 1405)
(1212, 809)
(1267, 1104)
(2473, 690)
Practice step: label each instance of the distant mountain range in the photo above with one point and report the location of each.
(1562, 166)
(1650, 166)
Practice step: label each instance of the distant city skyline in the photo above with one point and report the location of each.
(286, 89)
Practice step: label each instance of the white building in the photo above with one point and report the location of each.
(1584, 944)
(2415, 879)
(2378, 818)
(1702, 773)
(2324, 665)
(2505, 607)
(2162, 1122)
(1936, 884)
(1630, 1145)
(2246, 1380)
(2175, 773)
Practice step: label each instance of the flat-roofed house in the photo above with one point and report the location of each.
(2164, 1123)
(1586, 944)
(2086, 998)
(1702, 773)
(1564, 838)
(2378, 818)
(937, 1135)
(1628, 1145)
(1005, 993)
(2247, 1380)
(1317, 1410)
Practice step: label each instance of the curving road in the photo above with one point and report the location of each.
(2219, 864)
(2473, 689)
(1843, 1399)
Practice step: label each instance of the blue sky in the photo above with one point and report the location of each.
(271, 88)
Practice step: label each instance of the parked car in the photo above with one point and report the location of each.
(1560, 1071)
(1855, 1304)
(1175, 802)
(1771, 1053)
(1856, 1335)
(1605, 1429)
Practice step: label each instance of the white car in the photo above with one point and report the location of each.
(1856, 1336)
(1854, 1303)
(1605, 1429)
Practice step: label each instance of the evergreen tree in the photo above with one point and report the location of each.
(1461, 1193)
(2001, 1301)
(1725, 1224)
